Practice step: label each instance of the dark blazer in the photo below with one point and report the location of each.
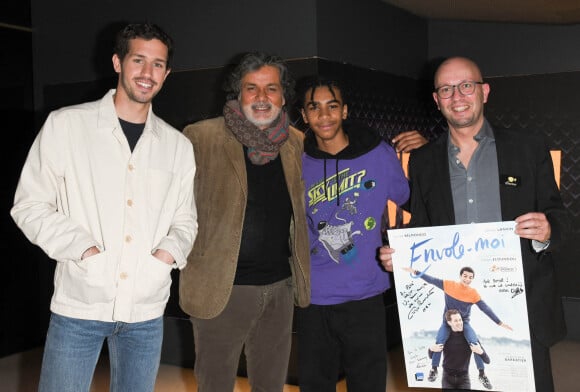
(525, 157)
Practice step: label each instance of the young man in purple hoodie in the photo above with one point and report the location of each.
(349, 174)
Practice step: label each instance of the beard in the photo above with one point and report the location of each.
(262, 119)
(137, 96)
(457, 122)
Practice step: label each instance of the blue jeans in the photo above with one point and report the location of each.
(73, 347)
(443, 335)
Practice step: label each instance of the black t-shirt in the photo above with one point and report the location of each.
(264, 249)
(132, 132)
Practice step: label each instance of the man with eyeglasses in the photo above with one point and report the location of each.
(476, 173)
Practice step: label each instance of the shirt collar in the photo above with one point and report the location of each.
(485, 133)
(108, 116)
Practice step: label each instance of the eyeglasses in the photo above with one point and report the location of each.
(466, 87)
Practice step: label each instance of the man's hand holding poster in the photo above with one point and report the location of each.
(462, 307)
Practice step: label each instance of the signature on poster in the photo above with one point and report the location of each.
(415, 296)
(503, 285)
(418, 356)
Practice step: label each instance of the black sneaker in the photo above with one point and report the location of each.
(433, 375)
(485, 381)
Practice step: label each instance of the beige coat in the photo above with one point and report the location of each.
(221, 192)
(81, 187)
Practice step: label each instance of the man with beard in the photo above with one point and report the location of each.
(477, 173)
(250, 263)
(107, 191)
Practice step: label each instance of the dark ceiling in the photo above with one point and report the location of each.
(559, 12)
(16, 14)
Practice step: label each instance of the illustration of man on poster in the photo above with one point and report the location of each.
(459, 296)
(488, 259)
(457, 353)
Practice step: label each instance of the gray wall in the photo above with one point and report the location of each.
(72, 39)
(503, 49)
(373, 35)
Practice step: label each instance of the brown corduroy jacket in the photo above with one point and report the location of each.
(221, 188)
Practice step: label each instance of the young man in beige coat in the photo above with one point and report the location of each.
(107, 192)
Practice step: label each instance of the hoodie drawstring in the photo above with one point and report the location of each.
(337, 183)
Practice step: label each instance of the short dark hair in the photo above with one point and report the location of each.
(314, 82)
(466, 269)
(253, 61)
(146, 31)
(450, 313)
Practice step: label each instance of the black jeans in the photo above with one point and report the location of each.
(542, 366)
(352, 334)
(455, 381)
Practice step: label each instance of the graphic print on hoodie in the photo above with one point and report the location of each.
(346, 195)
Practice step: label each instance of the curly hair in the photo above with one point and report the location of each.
(253, 61)
(312, 83)
(146, 31)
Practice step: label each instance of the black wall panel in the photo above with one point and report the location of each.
(544, 104)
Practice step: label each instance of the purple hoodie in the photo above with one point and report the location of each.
(344, 222)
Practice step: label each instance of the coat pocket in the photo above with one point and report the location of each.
(90, 280)
(154, 281)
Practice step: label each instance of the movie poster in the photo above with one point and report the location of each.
(475, 272)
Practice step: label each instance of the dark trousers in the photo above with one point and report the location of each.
(542, 367)
(257, 319)
(455, 381)
(352, 334)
